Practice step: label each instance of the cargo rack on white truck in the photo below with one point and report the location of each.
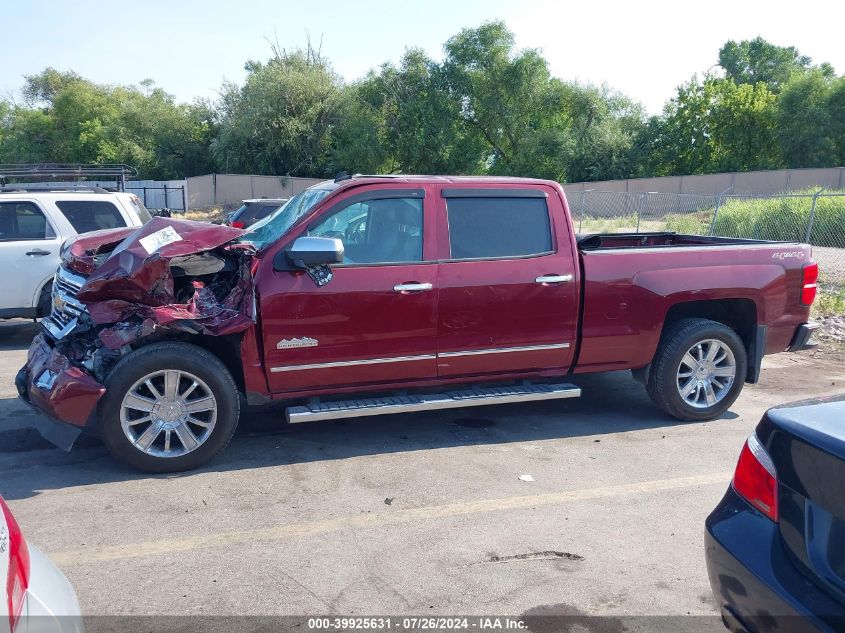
(58, 171)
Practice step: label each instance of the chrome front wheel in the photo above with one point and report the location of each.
(168, 413)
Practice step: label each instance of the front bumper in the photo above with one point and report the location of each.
(64, 393)
(801, 339)
(756, 586)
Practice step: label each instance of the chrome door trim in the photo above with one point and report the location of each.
(504, 350)
(404, 359)
(353, 363)
(553, 279)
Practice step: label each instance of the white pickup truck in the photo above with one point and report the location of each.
(34, 224)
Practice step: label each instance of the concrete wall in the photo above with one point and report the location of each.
(230, 189)
(752, 182)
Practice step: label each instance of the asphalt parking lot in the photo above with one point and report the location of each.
(415, 514)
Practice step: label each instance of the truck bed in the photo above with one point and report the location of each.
(632, 281)
(608, 241)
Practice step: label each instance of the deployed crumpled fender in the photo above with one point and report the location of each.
(133, 287)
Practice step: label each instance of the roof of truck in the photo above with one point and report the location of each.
(343, 181)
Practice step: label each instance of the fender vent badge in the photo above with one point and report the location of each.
(290, 343)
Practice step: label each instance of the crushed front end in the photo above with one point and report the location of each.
(118, 290)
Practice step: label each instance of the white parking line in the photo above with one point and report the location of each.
(388, 517)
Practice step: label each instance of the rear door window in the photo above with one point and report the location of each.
(20, 221)
(91, 215)
(490, 228)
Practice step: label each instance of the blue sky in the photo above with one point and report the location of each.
(645, 49)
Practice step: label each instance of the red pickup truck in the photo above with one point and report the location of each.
(370, 295)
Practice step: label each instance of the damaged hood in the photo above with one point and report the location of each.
(89, 250)
(169, 273)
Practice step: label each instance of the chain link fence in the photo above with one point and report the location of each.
(817, 219)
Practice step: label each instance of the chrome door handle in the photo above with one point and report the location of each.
(38, 251)
(412, 287)
(553, 279)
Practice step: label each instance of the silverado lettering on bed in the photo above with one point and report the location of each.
(370, 295)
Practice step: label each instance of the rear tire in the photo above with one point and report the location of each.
(168, 407)
(685, 382)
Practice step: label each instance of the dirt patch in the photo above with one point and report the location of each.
(216, 213)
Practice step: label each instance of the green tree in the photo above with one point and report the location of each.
(358, 143)
(415, 119)
(753, 61)
(804, 121)
(743, 127)
(711, 126)
(280, 120)
(602, 128)
(836, 118)
(66, 118)
(508, 98)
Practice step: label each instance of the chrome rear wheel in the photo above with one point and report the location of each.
(698, 370)
(706, 373)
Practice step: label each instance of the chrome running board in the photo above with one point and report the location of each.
(430, 402)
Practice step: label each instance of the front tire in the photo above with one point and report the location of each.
(698, 371)
(168, 407)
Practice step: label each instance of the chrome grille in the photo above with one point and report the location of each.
(66, 309)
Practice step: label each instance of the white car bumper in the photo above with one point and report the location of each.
(51, 603)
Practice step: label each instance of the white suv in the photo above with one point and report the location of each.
(35, 222)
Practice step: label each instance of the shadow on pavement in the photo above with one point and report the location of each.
(611, 403)
(17, 333)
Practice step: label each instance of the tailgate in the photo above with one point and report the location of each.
(807, 445)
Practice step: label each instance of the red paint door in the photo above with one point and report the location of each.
(508, 293)
(375, 321)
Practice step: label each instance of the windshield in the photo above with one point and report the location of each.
(275, 225)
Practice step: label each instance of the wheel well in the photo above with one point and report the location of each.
(44, 286)
(738, 314)
(228, 350)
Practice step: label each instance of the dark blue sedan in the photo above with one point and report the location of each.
(775, 545)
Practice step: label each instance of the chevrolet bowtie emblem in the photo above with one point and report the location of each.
(59, 303)
(288, 343)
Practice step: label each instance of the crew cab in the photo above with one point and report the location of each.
(371, 295)
(35, 222)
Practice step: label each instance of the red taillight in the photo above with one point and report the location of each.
(17, 579)
(808, 289)
(237, 224)
(755, 478)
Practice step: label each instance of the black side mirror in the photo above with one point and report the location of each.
(307, 252)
